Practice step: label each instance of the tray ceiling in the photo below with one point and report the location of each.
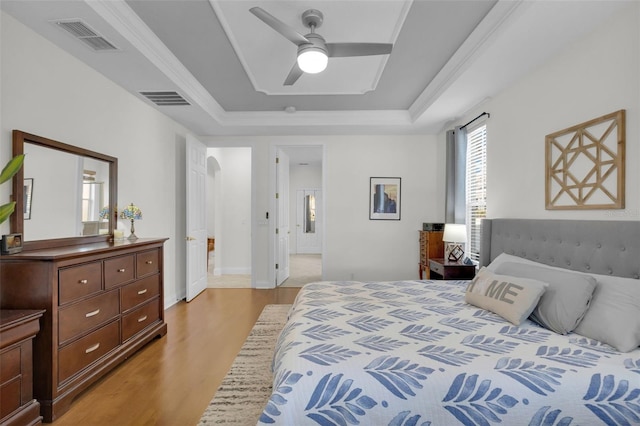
(228, 66)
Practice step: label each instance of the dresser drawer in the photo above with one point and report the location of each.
(148, 262)
(81, 353)
(118, 270)
(139, 292)
(79, 281)
(77, 319)
(10, 363)
(10, 397)
(139, 319)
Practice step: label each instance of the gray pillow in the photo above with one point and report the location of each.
(614, 314)
(513, 298)
(566, 300)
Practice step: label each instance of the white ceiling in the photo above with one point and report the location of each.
(449, 56)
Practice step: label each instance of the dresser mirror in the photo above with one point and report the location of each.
(65, 195)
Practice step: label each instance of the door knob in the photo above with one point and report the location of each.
(190, 239)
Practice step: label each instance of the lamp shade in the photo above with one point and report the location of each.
(312, 60)
(455, 233)
(131, 212)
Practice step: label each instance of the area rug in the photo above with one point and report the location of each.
(247, 386)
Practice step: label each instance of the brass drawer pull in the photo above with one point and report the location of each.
(142, 291)
(121, 270)
(149, 262)
(141, 319)
(92, 314)
(83, 281)
(92, 348)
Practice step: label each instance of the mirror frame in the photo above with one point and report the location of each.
(17, 217)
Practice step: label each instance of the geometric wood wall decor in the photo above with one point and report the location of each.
(585, 165)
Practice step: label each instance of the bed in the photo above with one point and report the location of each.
(417, 353)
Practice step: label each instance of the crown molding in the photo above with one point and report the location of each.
(490, 27)
(124, 20)
(315, 118)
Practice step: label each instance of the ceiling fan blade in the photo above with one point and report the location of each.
(288, 32)
(294, 75)
(341, 50)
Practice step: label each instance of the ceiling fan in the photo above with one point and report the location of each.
(313, 50)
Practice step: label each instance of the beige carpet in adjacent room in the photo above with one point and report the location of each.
(303, 269)
(247, 386)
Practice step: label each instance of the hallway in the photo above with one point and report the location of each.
(303, 269)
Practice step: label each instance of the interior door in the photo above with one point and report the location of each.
(196, 212)
(282, 217)
(308, 221)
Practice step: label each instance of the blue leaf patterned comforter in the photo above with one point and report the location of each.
(414, 353)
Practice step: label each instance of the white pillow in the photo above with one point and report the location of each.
(613, 316)
(513, 298)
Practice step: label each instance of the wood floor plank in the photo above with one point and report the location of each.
(171, 380)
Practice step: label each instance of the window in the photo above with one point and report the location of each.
(91, 194)
(476, 188)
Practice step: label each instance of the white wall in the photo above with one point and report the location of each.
(212, 185)
(598, 75)
(47, 92)
(355, 247)
(233, 210)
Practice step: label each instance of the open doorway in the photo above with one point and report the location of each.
(229, 217)
(305, 212)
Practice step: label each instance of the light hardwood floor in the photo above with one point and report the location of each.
(171, 380)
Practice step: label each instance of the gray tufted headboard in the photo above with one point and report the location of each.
(592, 246)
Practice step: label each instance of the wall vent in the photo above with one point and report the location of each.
(85, 34)
(165, 98)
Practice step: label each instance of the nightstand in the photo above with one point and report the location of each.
(445, 270)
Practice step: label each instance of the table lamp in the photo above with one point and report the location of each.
(455, 236)
(131, 212)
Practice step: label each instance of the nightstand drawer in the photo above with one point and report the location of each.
(436, 267)
(10, 397)
(79, 281)
(10, 362)
(445, 270)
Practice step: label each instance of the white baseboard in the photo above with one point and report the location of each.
(232, 271)
(264, 285)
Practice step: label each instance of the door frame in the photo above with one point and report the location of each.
(273, 152)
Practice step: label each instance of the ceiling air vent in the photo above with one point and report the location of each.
(85, 34)
(165, 98)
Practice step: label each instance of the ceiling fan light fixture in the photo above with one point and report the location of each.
(312, 60)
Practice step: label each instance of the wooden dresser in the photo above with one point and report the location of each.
(102, 302)
(17, 329)
(431, 246)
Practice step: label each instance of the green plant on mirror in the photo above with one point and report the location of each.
(8, 172)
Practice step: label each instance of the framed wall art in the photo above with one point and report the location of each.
(585, 165)
(384, 198)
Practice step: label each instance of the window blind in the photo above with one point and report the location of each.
(476, 188)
